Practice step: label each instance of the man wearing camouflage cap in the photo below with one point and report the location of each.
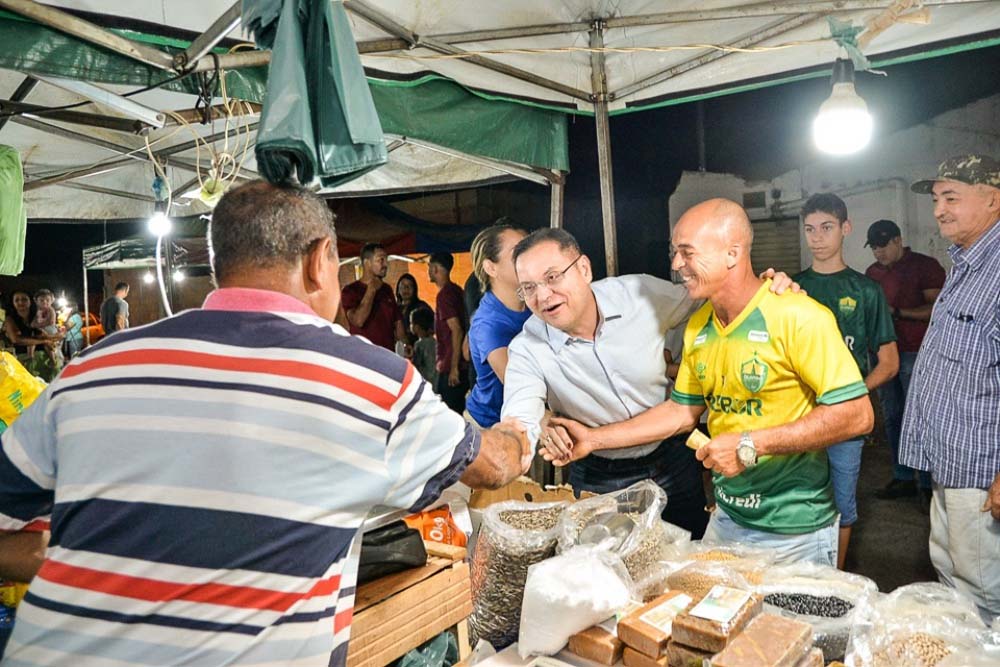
(952, 421)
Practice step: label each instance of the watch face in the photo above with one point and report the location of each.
(746, 455)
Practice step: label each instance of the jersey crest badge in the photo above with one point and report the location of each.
(753, 374)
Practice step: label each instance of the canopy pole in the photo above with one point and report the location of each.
(86, 302)
(599, 82)
(557, 200)
(207, 40)
(23, 89)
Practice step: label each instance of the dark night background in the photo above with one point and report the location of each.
(758, 134)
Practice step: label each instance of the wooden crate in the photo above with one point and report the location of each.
(398, 613)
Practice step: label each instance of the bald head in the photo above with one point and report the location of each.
(712, 241)
(722, 218)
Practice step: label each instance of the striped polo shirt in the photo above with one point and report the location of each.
(206, 476)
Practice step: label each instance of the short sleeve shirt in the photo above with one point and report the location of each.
(493, 327)
(774, 363)
(110, 311)
(380, 327)
(450, 303)
(859, 305)
(904, 283)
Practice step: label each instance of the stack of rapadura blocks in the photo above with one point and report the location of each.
(724, 629)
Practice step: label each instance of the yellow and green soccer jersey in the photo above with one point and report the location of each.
(781, 357)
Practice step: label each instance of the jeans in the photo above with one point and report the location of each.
(453, 397)
(672, 466)
(819, 546)
(965, 546)
(845, 464)
(893, 397)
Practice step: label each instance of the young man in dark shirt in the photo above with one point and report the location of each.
(863, 317)
(911, 282)
(449, 329)
(370, 303)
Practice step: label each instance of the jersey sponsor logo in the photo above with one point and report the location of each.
(751, 501)
(850, 342)
(847, 305)
(751, 407)
(700, 369)
(701, 338)
(755, 336)
(753, 374)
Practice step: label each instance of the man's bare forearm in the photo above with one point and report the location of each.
(657, 423)
(21, 554)
(499, 459)
(826, 425)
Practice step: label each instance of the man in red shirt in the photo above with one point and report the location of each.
(449, 329)
(911, 283)
(370, 303)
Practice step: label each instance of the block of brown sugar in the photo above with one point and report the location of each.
(647, 629)
(721, 615)
(597, 644)
(679, 655)
(768, 640)
(814, 658)
(632, 658)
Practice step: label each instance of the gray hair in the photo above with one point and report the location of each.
(262, 225)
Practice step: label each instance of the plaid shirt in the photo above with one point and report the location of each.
(952, 421)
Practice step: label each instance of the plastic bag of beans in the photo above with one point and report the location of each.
(626, 522)
(514, 536)
(820, 595)
(920, 625)
(696, 579)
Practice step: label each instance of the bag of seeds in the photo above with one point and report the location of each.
(626, 522)
(750, 562)
(569, 593)
(698, 578)
(819, 595)
(914, 626)
(514, 536)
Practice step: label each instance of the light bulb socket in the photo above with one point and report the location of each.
(843, 71)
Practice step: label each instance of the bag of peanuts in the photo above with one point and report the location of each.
(919, 625)
(514, 536)
(820, 595)
(626, 522)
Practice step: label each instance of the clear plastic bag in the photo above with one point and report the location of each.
(919, 625)
(569, 593)
(647, 539)
(820, 595)
(514, 536)
(751, 562)
(698, 578)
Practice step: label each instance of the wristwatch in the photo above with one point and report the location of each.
(746, 450)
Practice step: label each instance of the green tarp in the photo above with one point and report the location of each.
(432, 108)
(13, 215)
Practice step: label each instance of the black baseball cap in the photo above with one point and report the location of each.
(881, 232)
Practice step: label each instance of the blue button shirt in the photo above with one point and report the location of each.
(952, 421)
(493, 326)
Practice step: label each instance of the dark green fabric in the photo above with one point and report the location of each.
(859, 305)
(433, 109)
(13, 215)
(319, 120)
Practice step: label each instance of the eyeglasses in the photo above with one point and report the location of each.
(528, 290)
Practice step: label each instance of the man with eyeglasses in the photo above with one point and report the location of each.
(594, 351)
(778, 382)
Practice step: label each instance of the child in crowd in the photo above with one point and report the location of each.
(425, 349)
(46, 322)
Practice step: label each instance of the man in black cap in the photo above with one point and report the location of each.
(911, 282)
(952, 422)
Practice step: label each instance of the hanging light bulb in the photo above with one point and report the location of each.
(179, 276)
(148, 278)
(159, 224)
(843, 124)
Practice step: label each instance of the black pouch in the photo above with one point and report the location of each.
(390, 549)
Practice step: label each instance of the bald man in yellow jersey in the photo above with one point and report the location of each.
(780, 386)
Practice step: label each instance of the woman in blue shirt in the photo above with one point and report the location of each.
(499, 318)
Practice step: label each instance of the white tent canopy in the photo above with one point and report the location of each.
(581, 56)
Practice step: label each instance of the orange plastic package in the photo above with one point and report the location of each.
(438, 525)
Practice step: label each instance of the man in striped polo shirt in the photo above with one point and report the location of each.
(206, 475)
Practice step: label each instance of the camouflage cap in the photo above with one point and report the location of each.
(969, 169)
